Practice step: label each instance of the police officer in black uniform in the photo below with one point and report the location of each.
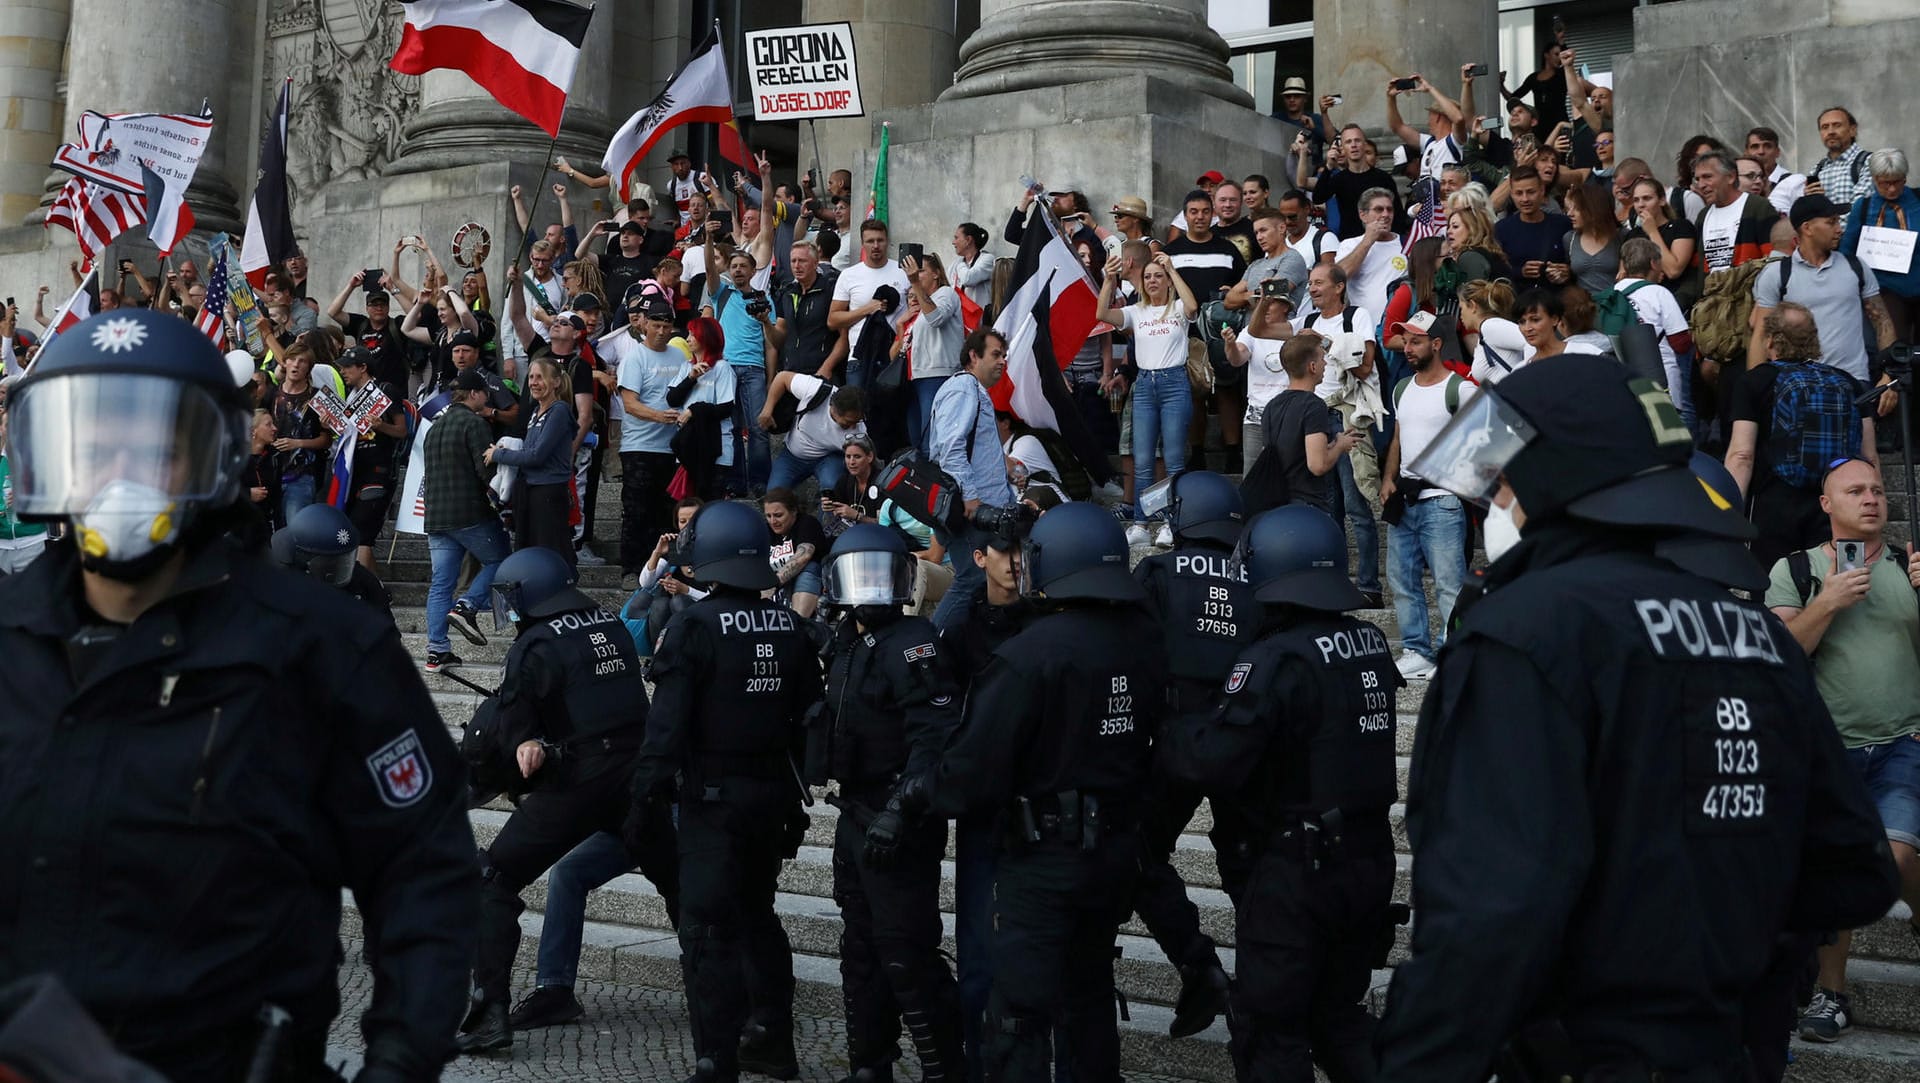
(1300, 749)
(570, 714)
(734, 676)
(1625, 785)
(890, 707)
(1206, 615)
(198, 751)
(1058, 735)
(320, 542)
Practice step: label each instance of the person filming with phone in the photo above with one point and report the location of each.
(1850, 604)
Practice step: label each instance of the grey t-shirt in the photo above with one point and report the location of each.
(1288, 265)
(1833, 293)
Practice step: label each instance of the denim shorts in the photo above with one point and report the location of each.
(808, 581)
(1891, 771)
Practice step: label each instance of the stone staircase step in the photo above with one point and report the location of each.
(1881, 1056)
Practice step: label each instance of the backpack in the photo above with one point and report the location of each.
(918, 486)
(1635, 343)
(1720, 320)
(1814, 421)
(1454, 380)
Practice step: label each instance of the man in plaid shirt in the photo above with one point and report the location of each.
(459, 518)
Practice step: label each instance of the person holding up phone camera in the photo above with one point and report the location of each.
(1446, 124)
(1850, 604)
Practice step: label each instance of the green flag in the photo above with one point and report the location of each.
(877, 195)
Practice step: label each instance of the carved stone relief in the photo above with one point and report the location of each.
(348, 106)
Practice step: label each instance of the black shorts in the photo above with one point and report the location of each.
(369, 515)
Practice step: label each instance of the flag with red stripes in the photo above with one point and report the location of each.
(95, 215)
(212, 318)
(700, 92)
(523, 52)
(1428, 217)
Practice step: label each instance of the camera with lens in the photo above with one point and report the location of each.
(1009, 525)
(758, 305)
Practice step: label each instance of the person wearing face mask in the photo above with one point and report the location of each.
(236, 745)
(1678, 780)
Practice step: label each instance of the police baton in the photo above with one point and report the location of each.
(273, 1021)
(457, 679)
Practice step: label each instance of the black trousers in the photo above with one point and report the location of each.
(540, 518)
(1160, 896)
(645, 509)
(591, 796)
(1307, 939)
(733, 952)
(590, 499)
(890, 963)
(1057, 909)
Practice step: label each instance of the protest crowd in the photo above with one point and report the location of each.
(762, 365)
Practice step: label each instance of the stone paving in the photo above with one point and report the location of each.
(630, 1033)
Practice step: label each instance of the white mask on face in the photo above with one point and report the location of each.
(126, 521)
(1501, 533)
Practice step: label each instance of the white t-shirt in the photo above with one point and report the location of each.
(1384, 263)
(1718, 232)
(856, 286)
(1265, 375)
(814, 435)
(1435, 153)
(1314, 243)
(1032, 454)
(1159, 335)
(1344, 343)
(1503, 336)
(1420, 415)
(1655, 306)
(1786, 189)
(684, 189)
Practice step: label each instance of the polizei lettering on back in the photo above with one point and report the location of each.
(1688, 628)
(581, 618)
(756, 620)
(1213, 566)
(1350, 644)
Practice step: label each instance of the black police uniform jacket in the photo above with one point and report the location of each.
(1207, 614)
(732, 679)
(573, 679)
(179, 821)
(892, 705)
(1624, 787)
(1072, 702)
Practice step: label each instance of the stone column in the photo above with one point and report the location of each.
(31, 53)
(460, 124)
(905, 51)
(1031, 44)
(1358, 45)
(163, 58)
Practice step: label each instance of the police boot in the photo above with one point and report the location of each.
(489, 1032)
(704, 1071)
(1203, 996)
(766, 1052)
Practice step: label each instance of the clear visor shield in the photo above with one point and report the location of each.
(334, 568)
(1153, 502)
(506, 605)
(1473, 450)
(873, 578)
(69, 436)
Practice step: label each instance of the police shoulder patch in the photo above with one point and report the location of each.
(401, 772)
(1237, 679)
(915, 654)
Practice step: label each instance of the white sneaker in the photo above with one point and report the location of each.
(1415, 668)
(1163, 537)
(587, 558)
(1137, 535)
(1108, 493)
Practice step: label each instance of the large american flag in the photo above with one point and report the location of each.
(1429, 218)
(212, 318)
(95, 215)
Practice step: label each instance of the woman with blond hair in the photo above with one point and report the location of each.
(1476, 255)
(1499, 347)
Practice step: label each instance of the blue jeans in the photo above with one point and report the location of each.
(968, 577)
(924, 389)
(587, 866)
(297, 494)
(1427, 538)
(750, 466)
(488, 543)
(1162, 407)
(1349, 501)
(789, 469)
(1891, 771)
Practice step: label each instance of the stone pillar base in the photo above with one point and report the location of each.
(469, 132)
(960, 159)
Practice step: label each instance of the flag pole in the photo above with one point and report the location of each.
(512, 255)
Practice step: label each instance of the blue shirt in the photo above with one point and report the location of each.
(746, 338)
(648, 374)
(962, 409)
(1525, 242)
(1875, 211)
(716, 387)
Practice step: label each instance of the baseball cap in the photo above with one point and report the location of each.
(464, 338)
(572, 318)
(1400, 156)
(1133, 205)
(631, 226)
(586, 302)
(1211, 176)
(1807, 208)
(1071, 184)
(1420, 323)
(354, 355)
(652, 307)
(469, 380)
(377, 297)
(1294, 85)
(678, 153)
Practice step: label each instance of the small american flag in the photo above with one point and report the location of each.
(95, 215)
(212, 318)
(1429, 220)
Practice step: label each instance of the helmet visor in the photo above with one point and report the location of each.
(68, 436)
(870, 578)
(1468, 456)
(1154, 500)
(334, 568)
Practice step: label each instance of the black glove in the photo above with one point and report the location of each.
(885, 833)
(633, 832)
(911, 796)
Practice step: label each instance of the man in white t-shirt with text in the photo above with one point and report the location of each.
(1639, 280)
(1373, 260)
(825, 418)
(854, 300)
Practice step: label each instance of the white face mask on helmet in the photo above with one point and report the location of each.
(125, 523)
(1501, 532)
